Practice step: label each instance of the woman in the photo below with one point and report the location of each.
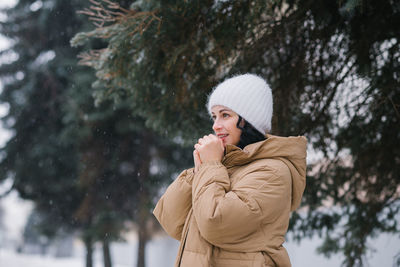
(233, 207)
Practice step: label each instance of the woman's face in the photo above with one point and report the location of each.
(224, 126)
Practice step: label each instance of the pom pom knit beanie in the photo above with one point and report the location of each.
(249, 96)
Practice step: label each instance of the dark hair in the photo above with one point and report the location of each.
(249, 134)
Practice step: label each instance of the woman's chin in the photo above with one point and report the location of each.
(226, 143)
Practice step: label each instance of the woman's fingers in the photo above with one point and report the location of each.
(206, 141)
(197, 161)
(201, 140)
(197, 157)
(207, 138)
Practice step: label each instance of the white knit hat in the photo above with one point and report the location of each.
(249, 96)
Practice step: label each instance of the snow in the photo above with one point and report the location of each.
(10, 258)
(161, 251)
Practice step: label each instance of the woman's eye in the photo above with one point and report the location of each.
(225, 115)
(213, 118)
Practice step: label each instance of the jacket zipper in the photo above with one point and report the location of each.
(183, 241)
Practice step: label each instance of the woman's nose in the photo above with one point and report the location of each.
(217, 125)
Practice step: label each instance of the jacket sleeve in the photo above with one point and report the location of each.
(228, 215)
(173, 207)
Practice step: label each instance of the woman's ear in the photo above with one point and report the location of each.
(242, 123)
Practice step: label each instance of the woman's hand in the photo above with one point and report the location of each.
(210, 148)
(197, 160)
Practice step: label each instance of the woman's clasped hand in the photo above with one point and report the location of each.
(208, 148)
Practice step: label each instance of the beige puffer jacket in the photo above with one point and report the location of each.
(236, 212)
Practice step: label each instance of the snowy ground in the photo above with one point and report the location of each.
(9, 258)
(161, 252)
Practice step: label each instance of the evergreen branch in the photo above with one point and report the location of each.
(87, 58)
(334, 90)
(394, 107)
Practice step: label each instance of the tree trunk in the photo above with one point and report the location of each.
(144, 211)
(89, 251)
(106, 253)
(143, 237)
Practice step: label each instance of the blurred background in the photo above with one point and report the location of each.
(101, 102)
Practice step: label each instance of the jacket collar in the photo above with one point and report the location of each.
(292, 148)
(236, 156)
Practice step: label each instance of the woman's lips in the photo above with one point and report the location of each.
(222, 136)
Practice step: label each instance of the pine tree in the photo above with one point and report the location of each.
(87, 168)
(34, 85)
(43, 166)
